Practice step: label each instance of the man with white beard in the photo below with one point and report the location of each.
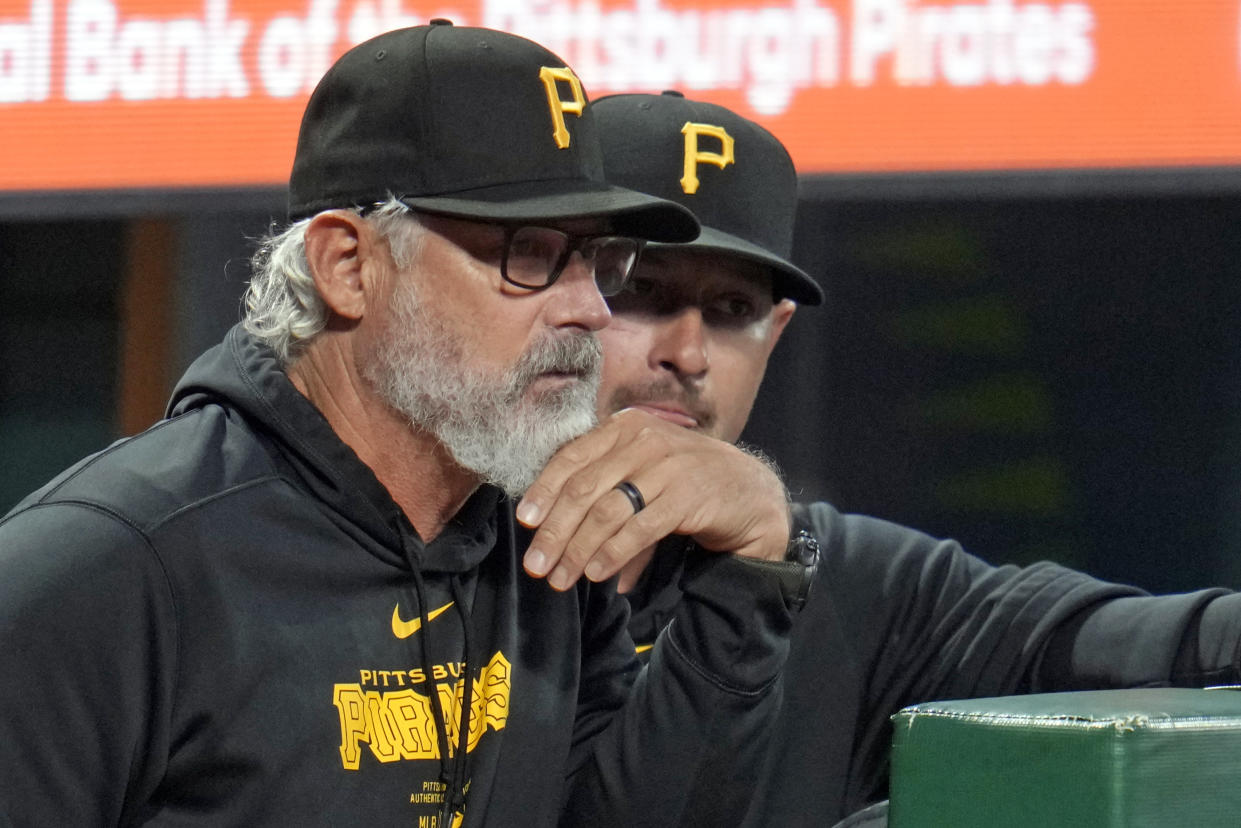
(299, 599)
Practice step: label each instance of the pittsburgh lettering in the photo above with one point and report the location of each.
(400, 678)
(769, 51)
(400, 724)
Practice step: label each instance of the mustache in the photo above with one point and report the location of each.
(574, 353)
(662, 391)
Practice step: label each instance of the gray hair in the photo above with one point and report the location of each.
(282, 306)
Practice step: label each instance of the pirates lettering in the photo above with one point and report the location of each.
(400, 724)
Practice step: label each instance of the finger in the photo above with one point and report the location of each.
(633, 569)
(567, 461)
(632, 541)
(571, 534)
(589, 551)
(562, 520)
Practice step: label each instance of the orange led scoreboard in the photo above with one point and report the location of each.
(121, 94)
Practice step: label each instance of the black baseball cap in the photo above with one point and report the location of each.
(739, 180)
(465, 122)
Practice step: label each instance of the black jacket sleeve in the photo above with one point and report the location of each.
(898, 617)
(918, 619)
(87, 626)
(698, 716)
(1188, 640)
(925, 620)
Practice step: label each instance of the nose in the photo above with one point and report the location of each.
(576, 300)
(681, 343)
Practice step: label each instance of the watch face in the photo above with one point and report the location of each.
(803, 549)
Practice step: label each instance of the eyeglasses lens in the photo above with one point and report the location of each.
(537, 255)
(534, 253)
(613, 257)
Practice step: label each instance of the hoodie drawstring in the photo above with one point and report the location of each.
(452, 767)
(456, 800)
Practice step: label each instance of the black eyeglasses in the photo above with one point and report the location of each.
(534, 257)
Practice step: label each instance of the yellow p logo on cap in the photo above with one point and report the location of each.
(551, 76)
(695, 156)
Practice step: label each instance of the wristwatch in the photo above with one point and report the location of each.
(803, 550)
(794, 574)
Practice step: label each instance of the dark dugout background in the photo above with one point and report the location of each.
(1041, 377)
(1048, 371)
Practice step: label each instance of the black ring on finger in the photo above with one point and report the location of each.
(635, 497)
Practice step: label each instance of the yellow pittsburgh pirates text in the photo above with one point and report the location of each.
(400, 724)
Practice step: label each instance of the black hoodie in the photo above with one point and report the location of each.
(226, 620)
(897, 617)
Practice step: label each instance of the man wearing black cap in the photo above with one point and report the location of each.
(298, 600)
(894, 617)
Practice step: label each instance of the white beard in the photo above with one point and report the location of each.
(490, 424)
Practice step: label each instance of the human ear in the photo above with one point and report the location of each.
(780, 316)
(338, 243)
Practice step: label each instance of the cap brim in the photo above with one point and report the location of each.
(632, 213)
(787, 279)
